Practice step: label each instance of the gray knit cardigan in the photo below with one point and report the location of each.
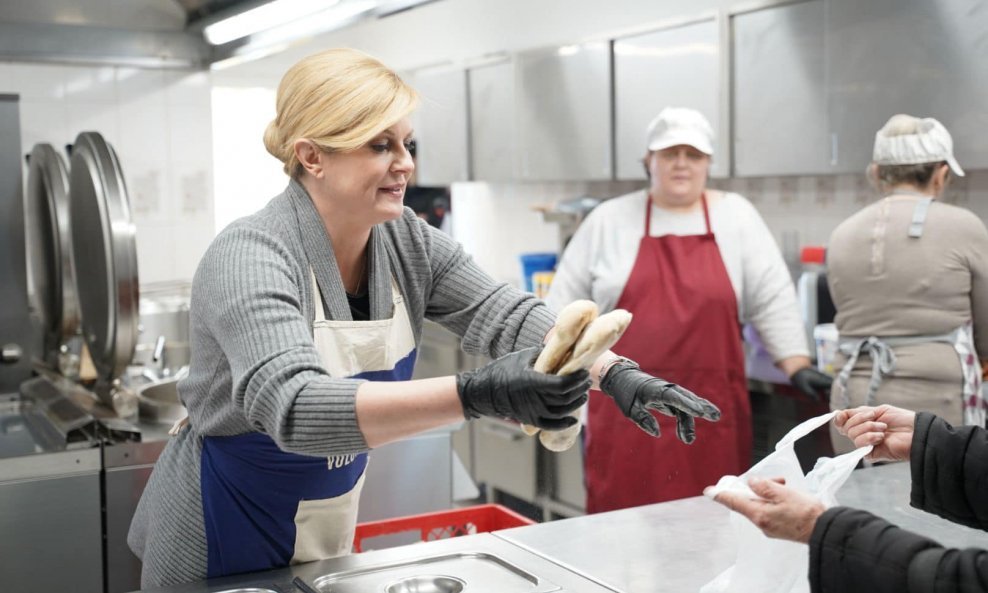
(255, 367)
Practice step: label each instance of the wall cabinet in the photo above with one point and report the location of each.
(563, 102)
(440, 125)
(907, 56)
(677, 67)
(492, 122)
(780, 96)
(809, 84)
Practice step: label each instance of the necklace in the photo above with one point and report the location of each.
(360, 279)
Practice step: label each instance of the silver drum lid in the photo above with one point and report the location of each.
(105, 250)
(51, 270)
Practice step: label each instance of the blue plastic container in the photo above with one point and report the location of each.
(536, 262)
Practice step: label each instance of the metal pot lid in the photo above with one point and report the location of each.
(52, 272)
(105, 250)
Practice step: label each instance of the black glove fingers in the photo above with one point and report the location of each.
(646, 422)
(685, 427)
(556, 423)
(555, 383)
(557, 396)
(682, 399)
(812, 383)
(572, 380)
(567, 408)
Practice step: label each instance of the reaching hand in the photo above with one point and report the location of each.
(635, 392)
(888, 428)
(782, 513)
(510, 388)
(812, 383)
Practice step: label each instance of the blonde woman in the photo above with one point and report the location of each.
(306, 317)
(909, 277)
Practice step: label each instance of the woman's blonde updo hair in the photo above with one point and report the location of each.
(339, 99)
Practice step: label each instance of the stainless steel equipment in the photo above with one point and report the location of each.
(475, 571)
(163, 337)
(49, 496)
(568, 214)
(126, 469)
(49, 250)
(159, 403)
(681, 545)
(16, 342)
(49, 472)
(60, 512)
(644, 65)
(582, 124)
(103, 242)
(409, 477)
(470, 564)
(668, 547)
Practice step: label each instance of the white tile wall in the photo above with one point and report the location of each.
(159, 122)
(494, 222)
(247, 177)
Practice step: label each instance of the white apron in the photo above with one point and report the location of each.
(264, 507)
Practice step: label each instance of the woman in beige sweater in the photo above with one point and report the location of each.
(909, 277)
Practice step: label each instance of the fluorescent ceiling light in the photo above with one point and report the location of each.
(324, 21)
(270, 15)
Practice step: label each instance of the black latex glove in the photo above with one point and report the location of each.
(811, 382)
(636, 392)
(510, 388)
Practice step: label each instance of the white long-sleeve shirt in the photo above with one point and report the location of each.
(598, 262)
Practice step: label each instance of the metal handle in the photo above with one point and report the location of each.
(159, 349)
(11, 353)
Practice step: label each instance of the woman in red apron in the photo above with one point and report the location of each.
(682, 284)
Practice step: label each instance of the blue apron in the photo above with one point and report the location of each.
(267, 508)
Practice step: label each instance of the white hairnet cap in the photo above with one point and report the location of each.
(908, 140)
(679, 125)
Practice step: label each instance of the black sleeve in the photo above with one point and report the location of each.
(950, 471)
(854, 551)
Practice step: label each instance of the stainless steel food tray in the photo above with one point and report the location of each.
(458, 572)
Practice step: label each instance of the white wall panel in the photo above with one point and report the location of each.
(159, 122)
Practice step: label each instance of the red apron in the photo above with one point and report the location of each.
(685, 330)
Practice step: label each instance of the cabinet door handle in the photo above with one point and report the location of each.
(503, 432)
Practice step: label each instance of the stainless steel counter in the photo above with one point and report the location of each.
(884, 491)
(676, 546)
(514, 562)
(680, 546)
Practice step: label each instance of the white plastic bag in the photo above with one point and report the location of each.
(766, 565)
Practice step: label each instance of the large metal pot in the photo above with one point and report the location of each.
(159, 403)
(164, 326)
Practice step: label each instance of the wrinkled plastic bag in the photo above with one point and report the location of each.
(766, 565)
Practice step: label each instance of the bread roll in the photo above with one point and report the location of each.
(598, 338)
(570, 323)
(572, 320)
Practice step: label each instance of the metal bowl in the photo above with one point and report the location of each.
(159, 402)
(248, 590)
(426, 584)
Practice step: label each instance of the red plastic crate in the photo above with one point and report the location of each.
(443, 524)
